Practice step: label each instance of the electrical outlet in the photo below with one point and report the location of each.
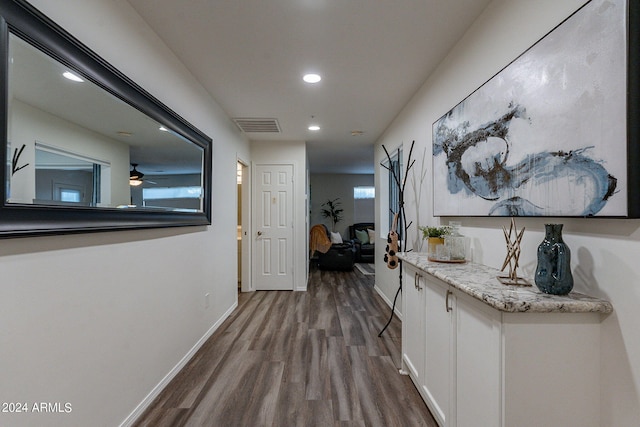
(206, 300)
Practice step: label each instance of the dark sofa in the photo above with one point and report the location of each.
(365, 252)
(341, 256)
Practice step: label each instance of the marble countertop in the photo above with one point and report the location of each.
(480, 282)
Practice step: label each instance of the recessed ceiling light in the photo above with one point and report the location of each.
(312, 78)
(69, 75)
(163, 129)
(357, 133)
(314, 127)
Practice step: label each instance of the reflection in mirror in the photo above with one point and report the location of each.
(71, 143)
(68, 179)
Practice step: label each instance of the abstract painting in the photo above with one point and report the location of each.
(547, 135)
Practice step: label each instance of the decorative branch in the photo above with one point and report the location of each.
(402, 238)
(416, 184)
(513, 256)
(14, 162)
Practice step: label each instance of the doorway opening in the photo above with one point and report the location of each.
(243, 224)
(239, 234)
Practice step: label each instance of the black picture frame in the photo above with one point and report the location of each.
(21, 220)
(633, 108)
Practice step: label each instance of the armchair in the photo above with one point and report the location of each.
(365, 250)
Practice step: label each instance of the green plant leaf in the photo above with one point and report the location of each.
(434, 231)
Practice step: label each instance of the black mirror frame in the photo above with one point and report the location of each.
(16, 220)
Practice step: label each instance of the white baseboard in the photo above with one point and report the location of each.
(181, 364)
(388, 301)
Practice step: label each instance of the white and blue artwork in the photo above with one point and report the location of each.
(547, 135)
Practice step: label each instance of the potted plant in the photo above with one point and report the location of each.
(332, 211)
(434, 237)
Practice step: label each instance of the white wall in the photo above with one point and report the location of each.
(295, 153)
(98, 320)
(330, 186)
(604, 251)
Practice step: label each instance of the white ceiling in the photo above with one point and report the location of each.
(373, 56)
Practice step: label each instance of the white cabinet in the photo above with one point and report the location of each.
(475, 365)
(413, 323)
(427, 341)
(439, 349)
(477, 362)
(425, 320)
(462, 357)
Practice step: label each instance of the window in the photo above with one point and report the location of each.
(172, 193)
(65, 193)
(68, 177)
(393, 171)
(364, 192)
(187, 198)
(69, 195)
(364, 204)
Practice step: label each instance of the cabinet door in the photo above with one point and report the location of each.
(478, 369)
(413, 318)
(438, 382)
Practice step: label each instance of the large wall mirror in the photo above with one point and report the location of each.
(86, 148)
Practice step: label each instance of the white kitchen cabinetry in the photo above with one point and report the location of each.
(484, 356)
(454, 349)
(439, 350)
(477, 362)
(413, 326)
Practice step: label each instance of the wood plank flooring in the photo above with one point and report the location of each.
(297, 359)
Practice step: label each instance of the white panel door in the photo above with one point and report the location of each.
(273, 227)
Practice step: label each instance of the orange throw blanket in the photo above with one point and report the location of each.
(318, 239)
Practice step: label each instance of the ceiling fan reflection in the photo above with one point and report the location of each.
(135, 177)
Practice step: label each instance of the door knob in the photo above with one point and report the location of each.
(259, 233)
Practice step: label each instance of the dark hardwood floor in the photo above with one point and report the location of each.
(297, 359)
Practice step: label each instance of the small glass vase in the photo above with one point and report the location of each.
(435, 246)
(455, 243)
(553, 272)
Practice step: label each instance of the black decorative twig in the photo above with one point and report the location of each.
(402, 237)
(416, 183)
(16, 156)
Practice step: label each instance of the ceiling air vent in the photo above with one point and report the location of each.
(251, 125)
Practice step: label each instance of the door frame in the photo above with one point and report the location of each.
(246, 283)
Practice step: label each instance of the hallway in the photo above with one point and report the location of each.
(297, 359)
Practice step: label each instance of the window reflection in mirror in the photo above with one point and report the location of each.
(71, 143)
(68, 179)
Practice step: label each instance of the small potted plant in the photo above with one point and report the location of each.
(434, 237)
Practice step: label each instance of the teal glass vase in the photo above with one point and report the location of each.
(553, 272)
